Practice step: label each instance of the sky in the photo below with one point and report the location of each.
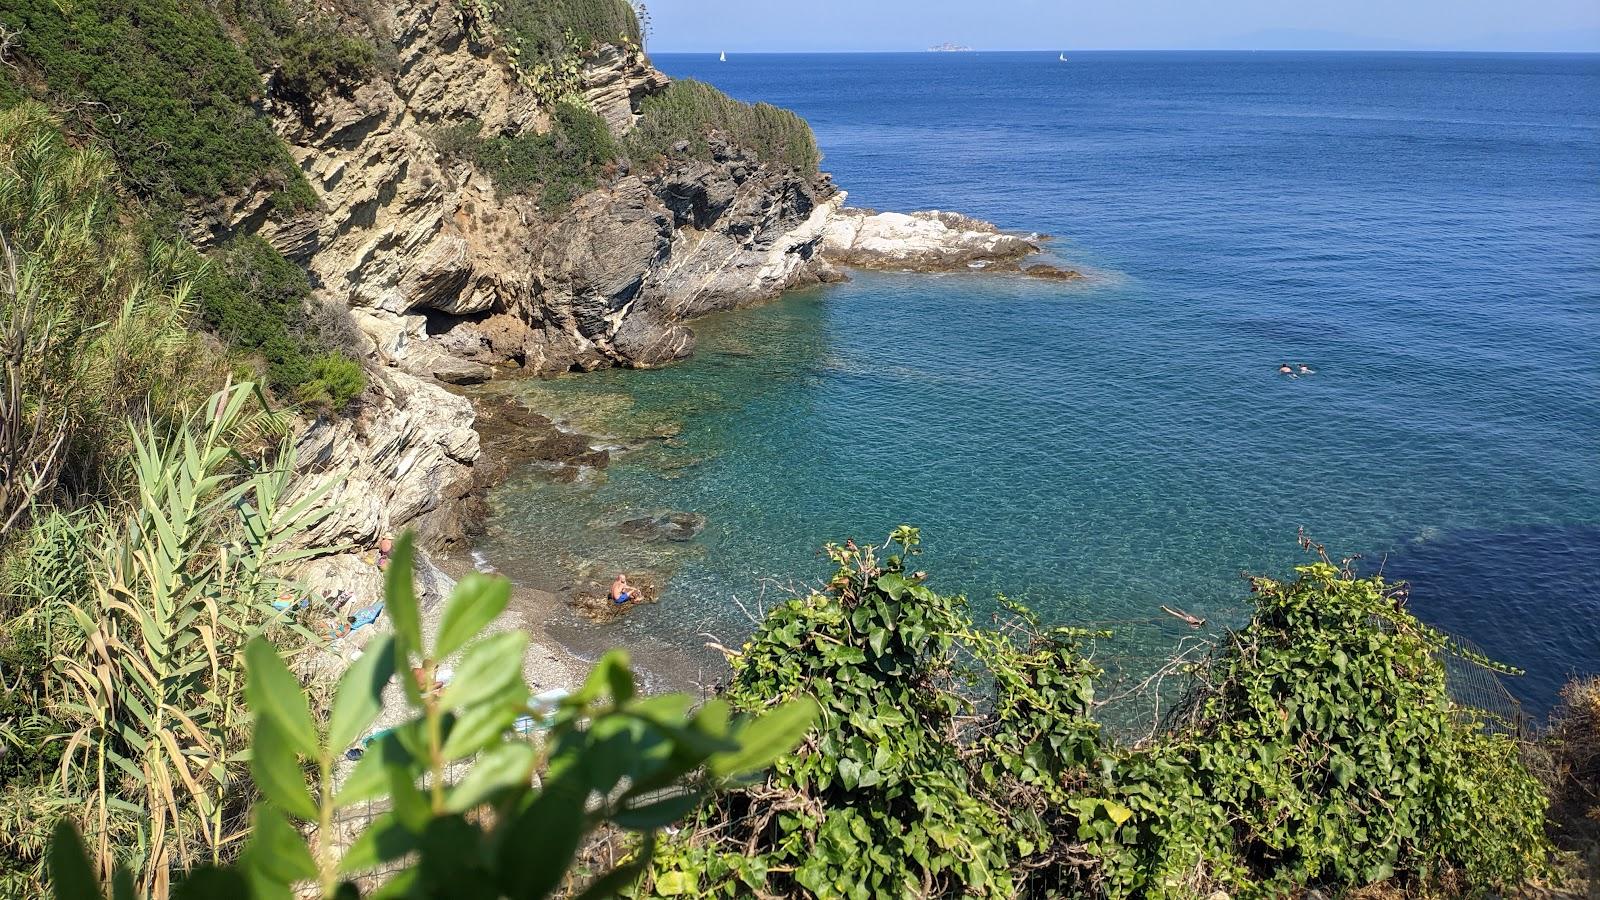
(753, 25)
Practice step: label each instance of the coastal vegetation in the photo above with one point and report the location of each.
(606, 758)
(558, 166)
(163, 87)
(261, 303)
(694, 111)
(1319, 747)
(576, 153)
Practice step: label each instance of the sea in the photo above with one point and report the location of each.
(1422, 230)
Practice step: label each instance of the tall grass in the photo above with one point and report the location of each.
(692, 111)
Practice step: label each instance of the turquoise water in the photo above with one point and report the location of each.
(1423, 230)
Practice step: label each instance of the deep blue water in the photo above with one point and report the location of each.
(1422, 229)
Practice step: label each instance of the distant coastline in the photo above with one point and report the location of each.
(949, 47)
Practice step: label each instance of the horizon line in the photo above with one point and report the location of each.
(928, 51)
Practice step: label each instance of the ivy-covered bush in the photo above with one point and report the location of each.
(1325, 751)
(1320, 748)
(258, 303)
(889, 797)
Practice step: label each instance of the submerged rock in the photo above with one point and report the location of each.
(1052, 273)
(678, 527)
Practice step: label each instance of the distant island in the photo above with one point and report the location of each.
(950, 47)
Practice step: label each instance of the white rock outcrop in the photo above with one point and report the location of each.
(921, 241)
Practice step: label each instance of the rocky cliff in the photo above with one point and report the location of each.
(448, 276)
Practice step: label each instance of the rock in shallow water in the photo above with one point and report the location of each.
(1052, 273)
(679, 527)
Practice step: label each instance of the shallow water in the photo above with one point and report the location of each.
(1424, 230)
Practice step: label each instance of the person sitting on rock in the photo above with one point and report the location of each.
(385, 548)
(621, 591)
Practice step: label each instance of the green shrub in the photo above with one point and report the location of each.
(561, 164)
(333, 381)
(308, 53)
(889, 797)
(258, 302)
(163, 85)
(112, 332)
(691, 110)
(1327, 751)
(952, 760)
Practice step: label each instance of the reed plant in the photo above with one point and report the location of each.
(176, 590)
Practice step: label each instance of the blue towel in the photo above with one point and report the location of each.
(367, 616)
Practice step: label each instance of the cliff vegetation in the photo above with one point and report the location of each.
(691, 111)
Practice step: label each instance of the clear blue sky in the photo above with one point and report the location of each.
(748, 25)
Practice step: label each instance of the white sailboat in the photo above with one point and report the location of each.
(1063, 57)
(724, 56)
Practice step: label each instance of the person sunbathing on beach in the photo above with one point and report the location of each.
(342, 627)
(621, 591)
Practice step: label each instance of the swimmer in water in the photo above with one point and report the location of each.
(1285, 369)
(1306, 370)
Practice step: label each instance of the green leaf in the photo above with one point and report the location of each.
(893, 584)
(477, 600)
(675, 883)
(360, 697)
(122, 885)
(766, 738)
(370, 778)
(277, 852)
(274, 694)
(600, 677)
(504, 766)
(71, 874)
(400, 598)
(384, 840)
(277, 772)
(210, 883)
(479, 727)
(552, 823)
(492, 667)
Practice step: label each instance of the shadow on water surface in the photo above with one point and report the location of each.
(1527, 596)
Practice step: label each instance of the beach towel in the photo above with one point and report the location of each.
(367, 616)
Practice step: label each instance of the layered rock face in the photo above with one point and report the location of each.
(405, 458)
(449, 278)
